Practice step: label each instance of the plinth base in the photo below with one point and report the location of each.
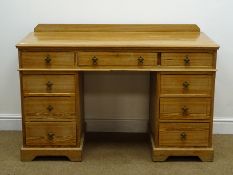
(161, 154)
(72, 153)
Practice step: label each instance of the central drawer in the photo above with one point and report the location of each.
(190, 84)
(50, 108)
(116, 59)
(50, 133)
(49, 83)
(183, 134)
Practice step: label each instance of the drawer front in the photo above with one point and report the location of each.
(50, 134)
(50, 108)
(185, 108)
(186, 85)
(46, 60)
(194, 60)
(116, 59)
(49, 83)
(183, 134)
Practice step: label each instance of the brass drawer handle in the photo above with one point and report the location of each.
(47, 59)
(94, 60)
(50, 136)
(186, 60)
(49, 108)
(186, 84)
(183, 136)
(185, 110)
(49, 85)
(140, 60)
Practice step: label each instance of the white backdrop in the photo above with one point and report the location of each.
(124, 95)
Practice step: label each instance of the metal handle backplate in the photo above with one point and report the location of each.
(94, 60)
(50, 136)
(49, 85)
(185, 110)
(50, 108)
(183, 136)
(47, 59)
(186, 84)
(140, 60)
(186, 60)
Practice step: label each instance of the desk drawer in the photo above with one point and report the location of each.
(49, 83)
(192, 60)
(46, 60)
(185, 108)
(196, 85)
(50, 134)
(50, 108)
(183, 134)
(116, 59)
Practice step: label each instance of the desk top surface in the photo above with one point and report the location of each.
(135, 36)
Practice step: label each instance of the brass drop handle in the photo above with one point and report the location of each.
(94, 60)
(47, 59)
(186, 60)
(186, 84)
(185, 110)
(183, 136)
(50, 108)
(50, 136)
(140, 60)
(49, 85)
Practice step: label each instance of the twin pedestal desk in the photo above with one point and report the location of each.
(182, 65)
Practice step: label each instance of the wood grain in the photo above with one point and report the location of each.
(50, 109)
(199, 85)
(64, 134)
(116, 28)
(73, 153)
(57, 60)
(70, 49)
(162, 153)
(185, 108)
(38, 83)
(155, 40)
(195, 60)
(197, 134)
(116, 59)
(120, 68)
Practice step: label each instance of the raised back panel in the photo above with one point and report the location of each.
(117, 28)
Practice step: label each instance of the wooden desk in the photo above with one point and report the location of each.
(182, 64)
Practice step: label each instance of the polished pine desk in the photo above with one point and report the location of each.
(182, 64)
